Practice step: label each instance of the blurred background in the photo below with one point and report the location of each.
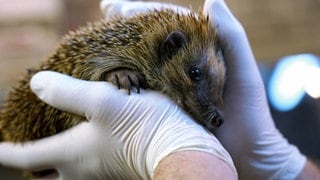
(285, 37)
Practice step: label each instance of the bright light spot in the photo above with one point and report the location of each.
(288, 81)
(312, 82)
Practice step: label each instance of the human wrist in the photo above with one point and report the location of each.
(181, 165)
(311, 170)
(180, 133)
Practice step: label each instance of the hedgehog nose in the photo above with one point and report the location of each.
(216, 119)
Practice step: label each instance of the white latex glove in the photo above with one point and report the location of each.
(125, 138)
(112, 8)
(258, 149)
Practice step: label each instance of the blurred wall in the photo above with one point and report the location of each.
(28, 31)
(277, 28)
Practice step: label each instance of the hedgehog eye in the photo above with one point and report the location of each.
(195, 73)
(170, 46)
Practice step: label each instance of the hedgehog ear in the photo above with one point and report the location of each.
(170, 46)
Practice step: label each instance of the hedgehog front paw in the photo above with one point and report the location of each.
(126, 79)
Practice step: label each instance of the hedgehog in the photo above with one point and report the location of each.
(162, 50)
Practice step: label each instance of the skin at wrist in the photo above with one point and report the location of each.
(309, 172)
(188, 165)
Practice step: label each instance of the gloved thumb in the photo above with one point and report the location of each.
(70, 94)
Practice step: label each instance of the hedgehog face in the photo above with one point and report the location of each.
(194, 77)
(203, 97)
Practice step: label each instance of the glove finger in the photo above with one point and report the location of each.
(233, 41)
(142, 7)
(72, 95)
(49, 152)
(128, 9)
(222, 18)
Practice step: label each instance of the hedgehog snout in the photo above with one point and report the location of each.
(216, 119)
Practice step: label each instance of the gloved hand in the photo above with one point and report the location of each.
(126, 8)
(125, 138)
(258, 149)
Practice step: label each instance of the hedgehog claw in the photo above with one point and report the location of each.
(125, 79)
